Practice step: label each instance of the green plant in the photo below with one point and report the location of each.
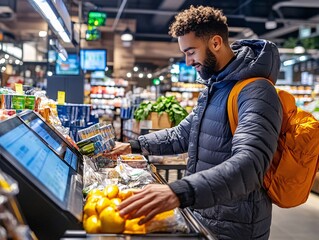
(163, 104)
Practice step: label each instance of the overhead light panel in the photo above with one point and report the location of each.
(59, 49)
(54, 20)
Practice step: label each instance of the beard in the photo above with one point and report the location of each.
(209, 65)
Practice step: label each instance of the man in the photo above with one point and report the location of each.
(224, 177)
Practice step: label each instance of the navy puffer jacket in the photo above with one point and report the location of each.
(224, 172)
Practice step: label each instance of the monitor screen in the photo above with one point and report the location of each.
(70, 66)
(187, 73)
(92, 35)
(93, 59)
(17, 140)
(96, 18)
(51, 138)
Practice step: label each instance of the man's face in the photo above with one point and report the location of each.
(198, 55)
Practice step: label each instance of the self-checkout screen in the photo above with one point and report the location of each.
(35, 157)
(51, 138)
(38, 126)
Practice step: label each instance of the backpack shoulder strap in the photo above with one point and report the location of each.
(232, 105)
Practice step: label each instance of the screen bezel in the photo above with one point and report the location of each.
(28, 116)
(12, 123)
(92, 50)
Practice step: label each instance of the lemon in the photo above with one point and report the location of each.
(125, 194)
(111, 191)
(131, 226)
(92, 224)
(101, 204)
(115, 202)
(89, 209)
(111, 221)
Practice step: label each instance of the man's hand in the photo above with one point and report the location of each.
(119, 149)
(153, 199)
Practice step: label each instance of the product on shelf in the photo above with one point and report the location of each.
(96, 139)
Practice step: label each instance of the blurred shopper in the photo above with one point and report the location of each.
(224, 177)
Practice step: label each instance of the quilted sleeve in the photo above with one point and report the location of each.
(253, 146)
(167, 141)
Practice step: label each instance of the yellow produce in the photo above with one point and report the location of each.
(101, 204)
(131, 226)
(125, 194)
(111, 191)
(115, 202)
(95, 192)
(93, 198)
(92, 224)
(111, 221)
(89, 209)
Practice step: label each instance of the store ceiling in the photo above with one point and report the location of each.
(154, 16)
(150, 20)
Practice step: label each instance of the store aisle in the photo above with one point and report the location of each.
(297, 223)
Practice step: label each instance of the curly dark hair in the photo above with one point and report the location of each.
(204, 21)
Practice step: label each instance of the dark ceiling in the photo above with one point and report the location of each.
(154, 16)
(150, 20)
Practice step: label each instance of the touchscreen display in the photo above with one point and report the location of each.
(37, 158)
(39, 127)
(71, 158)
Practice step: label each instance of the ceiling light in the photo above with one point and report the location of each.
(149, 75)
(127, 35)
(43, 34)
(135, 69)
(271, 22)
(6, 56)
(299, 49)
(129, 74)
(140, 75)
(161, 78)
(49, 73)
(270, 25)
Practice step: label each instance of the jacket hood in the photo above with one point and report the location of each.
(254, 58)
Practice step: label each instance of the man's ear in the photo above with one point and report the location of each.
(215, 42)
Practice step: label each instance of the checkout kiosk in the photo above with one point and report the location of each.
(50, 190)
(49, 170)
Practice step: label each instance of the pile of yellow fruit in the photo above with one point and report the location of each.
(100, 214)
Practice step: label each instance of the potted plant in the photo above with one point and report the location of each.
(164, 113)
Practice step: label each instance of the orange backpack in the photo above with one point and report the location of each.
(291, 174)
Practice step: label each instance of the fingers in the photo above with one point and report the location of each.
(144, 210)
(132, 203)
(149, 216)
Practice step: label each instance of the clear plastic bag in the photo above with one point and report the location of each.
(170, 221)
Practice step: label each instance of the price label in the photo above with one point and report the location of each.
(61, 97)
(19, 88)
